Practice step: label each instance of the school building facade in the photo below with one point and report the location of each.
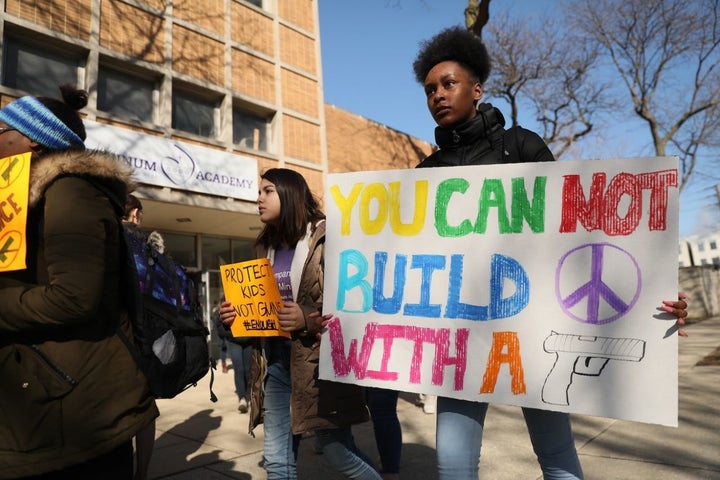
(199, 96)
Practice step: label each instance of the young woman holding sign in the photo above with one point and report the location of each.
(452, 67)
(285, 393)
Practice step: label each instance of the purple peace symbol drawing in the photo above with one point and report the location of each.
(597, 283)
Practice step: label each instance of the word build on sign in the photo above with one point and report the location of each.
(504, 271)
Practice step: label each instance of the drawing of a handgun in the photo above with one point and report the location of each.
(583, 355)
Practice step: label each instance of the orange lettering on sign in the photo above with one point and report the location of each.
(505, 349)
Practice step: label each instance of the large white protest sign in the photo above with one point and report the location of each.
(532, 284)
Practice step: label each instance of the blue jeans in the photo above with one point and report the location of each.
(240, 356)
(339, 449)
(459, 438)
(382, 404)
(280, 445)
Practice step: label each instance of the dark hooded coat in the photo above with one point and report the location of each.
(70, 390)
(483, 140)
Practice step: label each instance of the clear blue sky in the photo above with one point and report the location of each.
(368, 48)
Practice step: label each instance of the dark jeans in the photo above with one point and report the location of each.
(388, 434)
(240, 356)
(115, 465)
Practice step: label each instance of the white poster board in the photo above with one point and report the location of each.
(535, 285)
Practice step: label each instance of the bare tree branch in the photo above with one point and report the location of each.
(548, 68)
(666, 53)
(477, 14)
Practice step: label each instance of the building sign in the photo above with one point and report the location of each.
(536, 284)
(169, 163)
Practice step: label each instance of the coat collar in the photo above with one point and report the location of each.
(101, 166)
(303, 250)
(487, 120)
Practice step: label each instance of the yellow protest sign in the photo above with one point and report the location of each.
(14, 186)
(251, 288)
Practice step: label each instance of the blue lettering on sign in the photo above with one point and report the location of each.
(427, 265)
(389, 305)
(504, 271)
(347, 282)
(501, 268)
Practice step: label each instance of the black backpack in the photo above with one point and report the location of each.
(169, 341)
(170, 338)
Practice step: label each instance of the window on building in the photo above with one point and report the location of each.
(701, 247)
(250, 130)
(125, 95)
(182, 248)
(716, 261)
(194, 114)
(39, 71)
(243, 250)
(257, 3)
(713, 245)
(703, 261)
(215, 252)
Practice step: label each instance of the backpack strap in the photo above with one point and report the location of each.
(495, 132)
(493, 123)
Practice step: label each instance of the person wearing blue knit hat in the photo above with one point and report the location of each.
(48, 124)
(72, 396)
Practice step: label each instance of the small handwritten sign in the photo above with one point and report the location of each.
(14, 185)
(251, 288)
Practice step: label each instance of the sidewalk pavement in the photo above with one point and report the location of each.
(200, 440)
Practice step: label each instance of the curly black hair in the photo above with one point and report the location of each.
(457, 44)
